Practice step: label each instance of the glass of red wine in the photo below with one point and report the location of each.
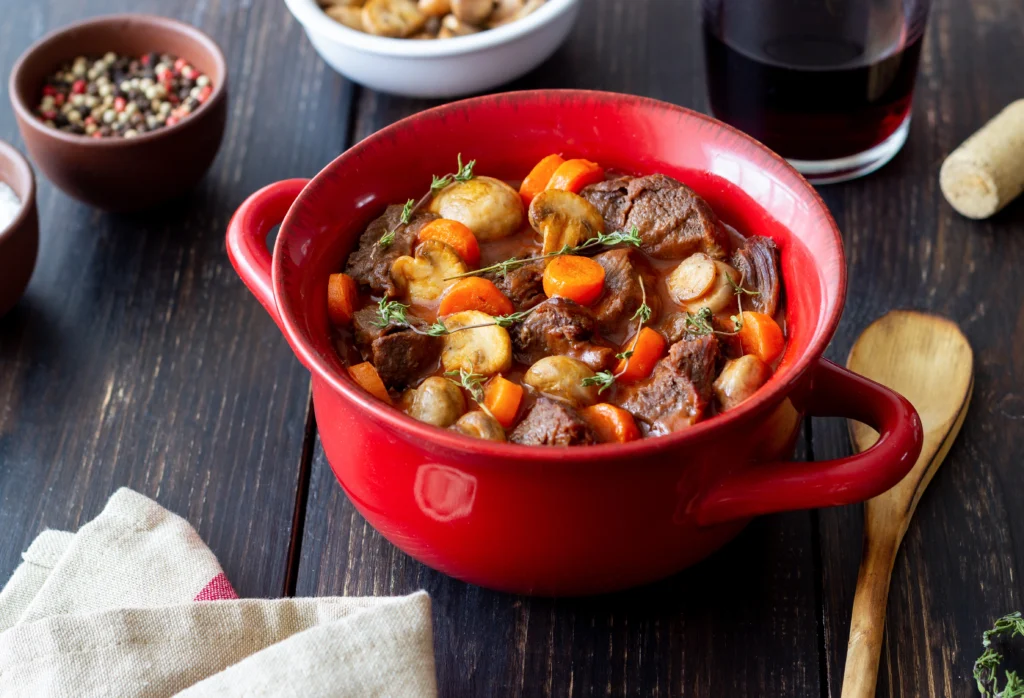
(827, 84)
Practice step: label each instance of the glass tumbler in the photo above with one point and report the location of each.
(827, 84)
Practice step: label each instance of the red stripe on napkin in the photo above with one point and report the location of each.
(217, 589)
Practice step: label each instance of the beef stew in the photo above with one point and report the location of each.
(586, 307)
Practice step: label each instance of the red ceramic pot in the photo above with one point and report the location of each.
(589, 519)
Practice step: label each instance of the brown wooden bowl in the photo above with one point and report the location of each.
(122, 174)
(19, 240)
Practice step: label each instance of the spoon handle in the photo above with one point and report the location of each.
(868, 621)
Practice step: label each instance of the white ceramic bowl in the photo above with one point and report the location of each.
(444, 67)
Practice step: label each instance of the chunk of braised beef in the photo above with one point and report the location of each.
(552, 423)
(400, 355)
(623, 269)
(672, 220)
(757, 261)
(560, 326)
(523, 285)
(674, 327)
(370, 263)
(677, 394)
(611, 198)
(365, 328)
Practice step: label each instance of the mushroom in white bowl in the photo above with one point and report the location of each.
(466, 57)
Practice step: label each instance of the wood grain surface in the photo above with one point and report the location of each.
(958, 569)
(137, 358)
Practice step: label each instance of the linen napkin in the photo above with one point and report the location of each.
(135, 604)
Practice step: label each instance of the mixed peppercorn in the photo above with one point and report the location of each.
(122, 96)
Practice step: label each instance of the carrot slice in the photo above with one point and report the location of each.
(573, 175)
(540, 175)
(650, 346)
(502, 398)
(454, 234)
(578, 278)
(475, 293)
(612, 424)
(369, 380)
(761, 336)
(342, 297)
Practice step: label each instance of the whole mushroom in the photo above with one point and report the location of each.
(481, 425)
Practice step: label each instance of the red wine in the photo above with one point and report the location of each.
(841, 107)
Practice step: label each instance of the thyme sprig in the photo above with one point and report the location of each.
(394, 313)
(643, 314)
(505, 321)
(738, 289)
(472, 382)
(390, 313)
(389, 237)
(700, 323)
(463, 174)
(503, 268)
(606, 379)
(987, 664)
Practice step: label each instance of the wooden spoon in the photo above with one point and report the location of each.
(928, 360)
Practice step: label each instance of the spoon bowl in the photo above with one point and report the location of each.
(928, 360)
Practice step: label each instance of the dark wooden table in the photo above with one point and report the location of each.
(138, 359)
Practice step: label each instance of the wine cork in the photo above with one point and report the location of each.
(987, 171)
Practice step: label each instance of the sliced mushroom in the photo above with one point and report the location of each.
(432, 27)
(436, 401)
(349, 16)
(472, 11)
(740, 379)
(499, 18)
(504, 11)
(423, 278)
(394, 18)
(692, 278)
(342, 3)
(435, 8)
(563, 218)
(721, 296)
(482, 350)
(452, 26)
(480, 425)
(487, 206)
(562, 377)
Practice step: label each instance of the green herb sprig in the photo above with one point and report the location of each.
(391, 312)
(503, 268)
(700, 323)
(472, 382)
(463, 174)
(738, 289)
(987, 665)
(606, 379)
(389, 237)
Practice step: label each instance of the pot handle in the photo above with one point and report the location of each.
(247, 238)
(773, 487)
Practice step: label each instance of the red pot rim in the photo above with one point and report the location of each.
(833, 300)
